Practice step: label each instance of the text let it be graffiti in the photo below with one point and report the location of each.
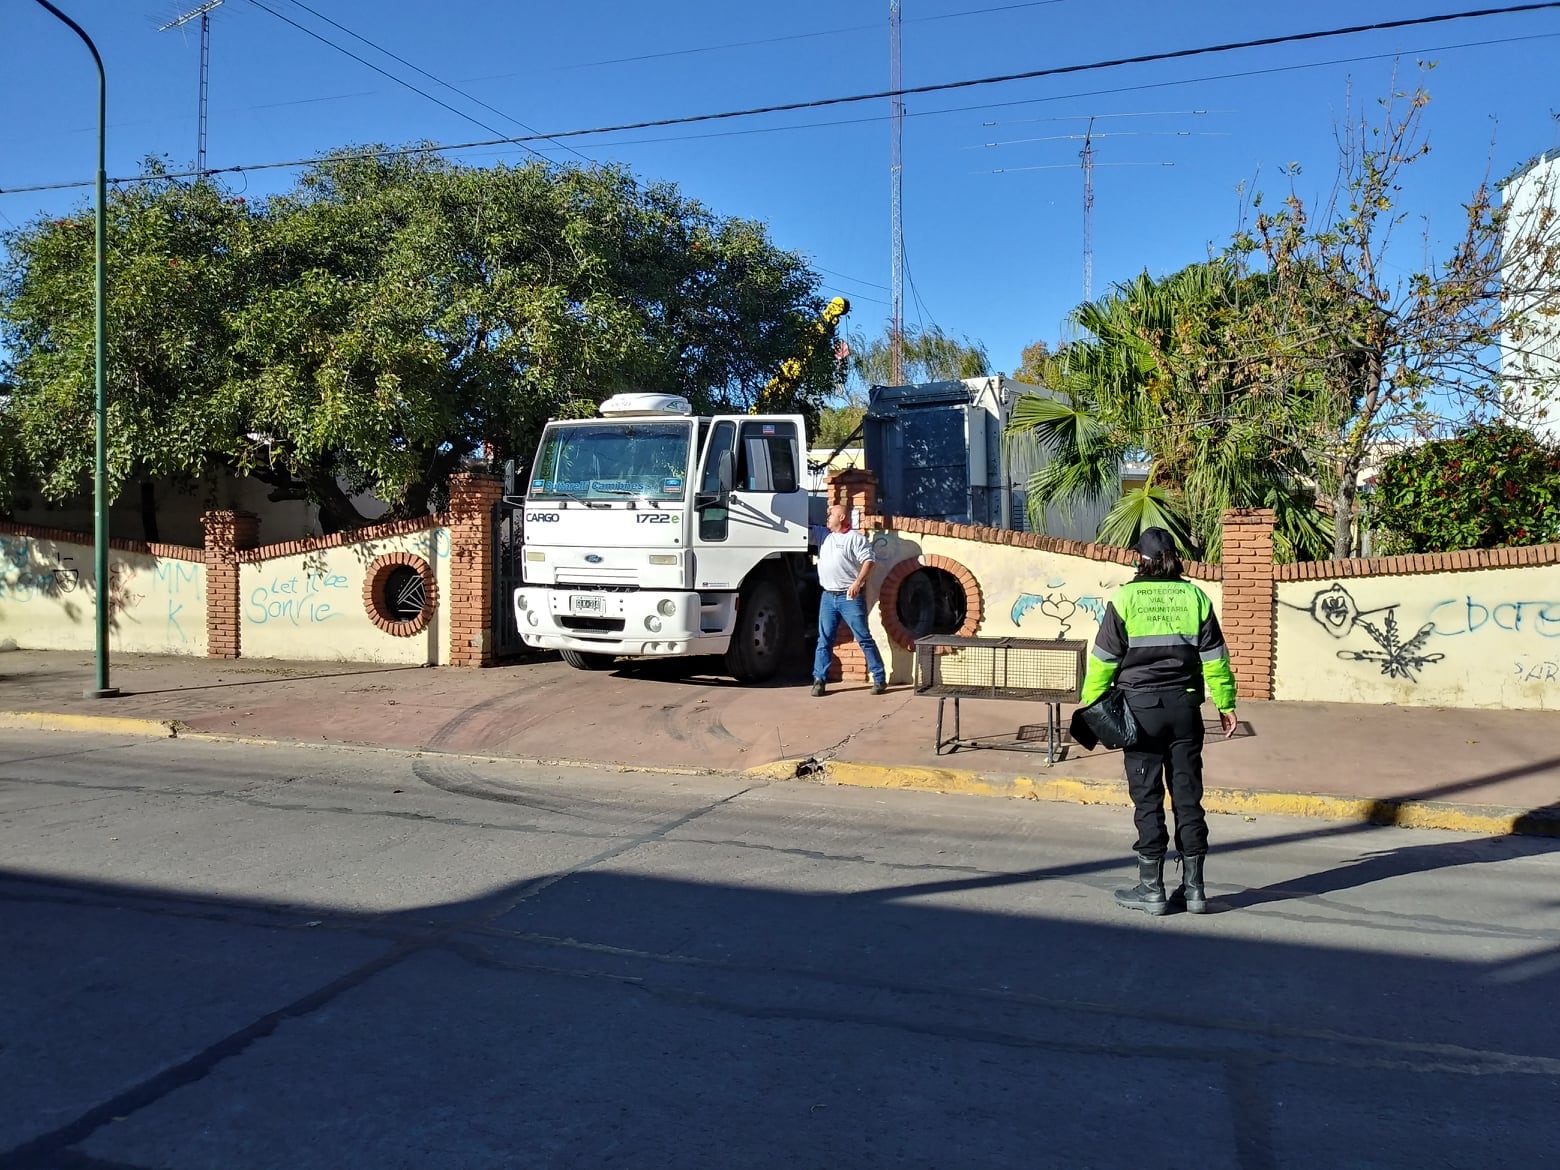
(298, 600)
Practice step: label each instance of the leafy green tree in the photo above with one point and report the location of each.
(171, 279)
(1149, 380)
(837, 423)
(1040, 365)
(1492, 486)
(379, 323)
(928, 355)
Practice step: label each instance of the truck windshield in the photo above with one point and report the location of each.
(611, 459)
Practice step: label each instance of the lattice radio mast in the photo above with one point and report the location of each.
(204, 12)
(1087, 157)
(896, 167)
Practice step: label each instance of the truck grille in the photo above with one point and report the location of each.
(593, 625)
(590, 575)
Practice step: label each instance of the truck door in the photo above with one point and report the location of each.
(766, 510)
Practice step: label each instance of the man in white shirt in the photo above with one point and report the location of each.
(844, 565)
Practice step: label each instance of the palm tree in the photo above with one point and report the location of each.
(1153, 380)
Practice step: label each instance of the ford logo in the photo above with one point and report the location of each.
(593, 558)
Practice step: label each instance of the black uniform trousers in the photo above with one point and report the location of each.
(1169, 745)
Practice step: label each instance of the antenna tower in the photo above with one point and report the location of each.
(204, 12)
(1087, 156)
(896, 168)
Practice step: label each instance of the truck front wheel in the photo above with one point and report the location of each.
(763, 634)
(585, 660)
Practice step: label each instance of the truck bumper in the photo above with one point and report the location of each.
(639, 623)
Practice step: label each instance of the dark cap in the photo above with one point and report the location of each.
(1153, 542)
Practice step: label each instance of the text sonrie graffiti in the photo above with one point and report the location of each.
(296, 600)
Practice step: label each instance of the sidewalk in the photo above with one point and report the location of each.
(1486, 771)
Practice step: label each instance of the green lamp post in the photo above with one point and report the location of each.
(100, 477)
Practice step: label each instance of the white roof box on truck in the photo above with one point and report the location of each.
(628, 405)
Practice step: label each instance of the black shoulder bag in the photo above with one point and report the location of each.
(1106, 722)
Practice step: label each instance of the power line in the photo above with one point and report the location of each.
(399, 81)
(849, 277)
(807, 36)
(423, 72)
(1135, 88)
(1058, 70)
(1097, 117)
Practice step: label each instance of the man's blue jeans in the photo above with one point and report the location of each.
(832, 609)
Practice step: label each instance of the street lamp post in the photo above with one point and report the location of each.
(100, 475)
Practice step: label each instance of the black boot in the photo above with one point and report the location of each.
(1149, 894)
(1191, 890)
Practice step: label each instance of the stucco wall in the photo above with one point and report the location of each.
(1025, 592)
(48, 591)
(310, 605)
(1485, 638)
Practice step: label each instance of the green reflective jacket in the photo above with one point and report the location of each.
(1161, 636)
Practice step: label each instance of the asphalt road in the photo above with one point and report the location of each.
(233, 956)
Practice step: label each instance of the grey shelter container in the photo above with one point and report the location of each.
(938, 452)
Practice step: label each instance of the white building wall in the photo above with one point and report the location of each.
(1532, 200)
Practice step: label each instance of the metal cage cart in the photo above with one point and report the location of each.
(1028, 669)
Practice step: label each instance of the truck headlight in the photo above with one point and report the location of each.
(667, 607)
(520, 603)
(653, 624)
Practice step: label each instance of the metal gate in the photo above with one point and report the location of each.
(508, 524)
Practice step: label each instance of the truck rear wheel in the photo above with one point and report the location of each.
(585, 660)
(763, 635)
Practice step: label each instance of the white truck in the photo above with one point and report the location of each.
(649, 533)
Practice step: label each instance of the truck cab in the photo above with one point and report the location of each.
(650, 533)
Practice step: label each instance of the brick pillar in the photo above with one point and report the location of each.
(1248, 611)
(848, 663)
(226, 534)
(855, 488)
(472, 496)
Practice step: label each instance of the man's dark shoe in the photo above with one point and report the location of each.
(1149, 894)
(1192, 891)
(879, 686)
(817, 691)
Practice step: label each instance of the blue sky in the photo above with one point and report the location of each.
(995, 257)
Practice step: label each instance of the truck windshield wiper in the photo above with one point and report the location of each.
(579, 499)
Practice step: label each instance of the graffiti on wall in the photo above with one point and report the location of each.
(1336, 611)
(1058, 606)
(180, 583)
(26, 573)
(1468, 615)
(307, 598)
(32, 571)
(1530, 671)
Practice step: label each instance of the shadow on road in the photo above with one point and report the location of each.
(594, 1017)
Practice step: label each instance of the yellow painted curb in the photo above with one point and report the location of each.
(1409, 814)
(99, 724)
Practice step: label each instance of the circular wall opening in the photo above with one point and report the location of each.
(931, 601)
(400, 594)
(404, 594)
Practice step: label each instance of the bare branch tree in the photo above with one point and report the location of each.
(1400, 357)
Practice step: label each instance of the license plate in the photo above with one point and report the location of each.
(586, 603)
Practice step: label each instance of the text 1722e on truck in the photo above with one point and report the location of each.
(653, 534)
